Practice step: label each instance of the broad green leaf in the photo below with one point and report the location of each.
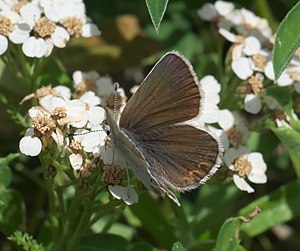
(287, 40)
(102, 242)
(277, 207)
(157, 9)
(148, 212)
(177, 246)
(228, 237)
(291, 139)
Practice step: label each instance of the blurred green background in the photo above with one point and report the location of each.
(126, 50)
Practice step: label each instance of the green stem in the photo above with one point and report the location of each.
(81, 227)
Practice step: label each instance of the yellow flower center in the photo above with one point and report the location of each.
(73, 25)
(59, 113)
(44, 28)
(43, 126)
(260, 61)
(6, 26)
(76, 147)
(19, 5)
(255, 84)
(242, 166)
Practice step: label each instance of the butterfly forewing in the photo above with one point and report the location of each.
(170, 94)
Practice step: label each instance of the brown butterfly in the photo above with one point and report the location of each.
(154, 135)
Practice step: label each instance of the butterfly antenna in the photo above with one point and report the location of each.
(116, 85)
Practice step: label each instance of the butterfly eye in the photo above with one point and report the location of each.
(108, 132)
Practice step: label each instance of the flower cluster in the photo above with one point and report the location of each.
(233, 135)
(250, 55)
(40, 25)
(74, 124)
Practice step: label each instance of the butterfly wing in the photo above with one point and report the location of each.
(170, 94)
(180, 156)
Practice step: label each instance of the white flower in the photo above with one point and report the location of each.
(94, 114)
(210, 11)
(86, 78)
(91, 141)
(127, 194)
(46, 33)
(76, 161)
(252, 103)
(234, 133)
(71, 15)
(30, 145)
(211, 89)
(242, 67)
(246, 165)
(12, 27)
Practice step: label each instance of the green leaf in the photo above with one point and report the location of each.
(177, 246)
(102, 242)
(291, 139)
(11, 210)
(157, 9)
(287, 40)
(5, 173)
(228, 237)
(148, 212)
(278, 207)
(282, 95)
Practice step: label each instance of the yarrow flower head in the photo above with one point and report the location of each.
(42, 25)
(244, 165)
(250, 56)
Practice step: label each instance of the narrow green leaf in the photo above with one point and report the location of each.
(278, 207)
(177, 246)
(228, 237)
(157, 9)
(291, 139)
(287, 40)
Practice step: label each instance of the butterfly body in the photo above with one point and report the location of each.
(156, 136)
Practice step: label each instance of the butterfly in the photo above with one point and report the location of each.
(155, 137)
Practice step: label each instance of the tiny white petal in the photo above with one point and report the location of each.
(242, 68)
(226, 119)
(76, 161)
(252, 103)
(224, 8)
(269, 72)
(64, 91)
(284, 79)
(77, 77)
(89, 30)
(34, 47)
(19, 34)
(30, 146)
(231, 37)
(128, 195)
(3, 44)
(207, 12)
(96, 115)
(242, 184)
(251, 46)
(60, 37)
